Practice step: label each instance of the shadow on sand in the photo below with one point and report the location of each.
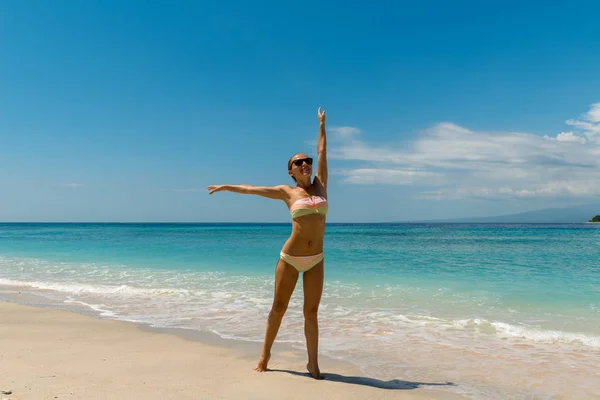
(394, 384)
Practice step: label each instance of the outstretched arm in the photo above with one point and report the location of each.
(271, 192)
(322, 150)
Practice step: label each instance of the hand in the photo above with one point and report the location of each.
(215, 188)
(321, 114)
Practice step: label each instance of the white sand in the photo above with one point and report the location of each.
(51, 354)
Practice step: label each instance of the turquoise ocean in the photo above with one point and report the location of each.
(501, 311)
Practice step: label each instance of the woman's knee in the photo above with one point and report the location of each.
(310, 312)
(278, 309)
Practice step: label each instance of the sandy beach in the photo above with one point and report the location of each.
(53, 354)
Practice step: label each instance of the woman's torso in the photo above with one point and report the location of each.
(308, 209)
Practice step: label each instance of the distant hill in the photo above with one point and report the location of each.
(579, 214)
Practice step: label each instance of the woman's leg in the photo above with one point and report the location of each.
(286, 277)
(313, 288)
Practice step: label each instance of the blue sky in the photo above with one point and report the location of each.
(126, 111)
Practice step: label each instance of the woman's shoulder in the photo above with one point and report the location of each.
(287, 189)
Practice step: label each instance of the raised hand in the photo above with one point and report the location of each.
(215, 188)
(321, 115)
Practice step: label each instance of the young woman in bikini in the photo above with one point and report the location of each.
(303, 251)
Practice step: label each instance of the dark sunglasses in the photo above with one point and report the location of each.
(299, 162)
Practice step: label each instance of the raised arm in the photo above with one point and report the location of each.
(321, 175)
(271, 192)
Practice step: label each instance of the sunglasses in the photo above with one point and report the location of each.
(299, 162)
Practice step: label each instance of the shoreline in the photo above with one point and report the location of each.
(50, 352)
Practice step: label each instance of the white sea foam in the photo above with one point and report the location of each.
(545, 336)
(99, 308)
(234, 304)
(80, 289)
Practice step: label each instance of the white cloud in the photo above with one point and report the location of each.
(551, 189)
(71, 185)
(594, 113)
(589, 123)
(344, 131)
(568, 137)
(385, 176)
(455, 162)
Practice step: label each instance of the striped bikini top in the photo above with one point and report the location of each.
(309, 205)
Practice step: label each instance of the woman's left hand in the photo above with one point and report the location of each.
(321, 114)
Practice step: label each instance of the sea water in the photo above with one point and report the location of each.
(497, 310)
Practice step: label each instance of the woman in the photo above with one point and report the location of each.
(303, 251)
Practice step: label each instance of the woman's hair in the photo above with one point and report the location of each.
(290, 166)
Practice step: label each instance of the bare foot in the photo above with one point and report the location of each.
(314, 370)
(262, 363)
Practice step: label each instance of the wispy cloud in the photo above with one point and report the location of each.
(589, 123)
(70, 185)
(455, 162)
(344, 131)
(387, 176)
(551, 189)
(568, 137)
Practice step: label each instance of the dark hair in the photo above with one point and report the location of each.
(290, 166)
(290, 161)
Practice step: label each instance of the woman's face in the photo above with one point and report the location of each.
(300, 166)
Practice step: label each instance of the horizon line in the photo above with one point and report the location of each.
(286, 223)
